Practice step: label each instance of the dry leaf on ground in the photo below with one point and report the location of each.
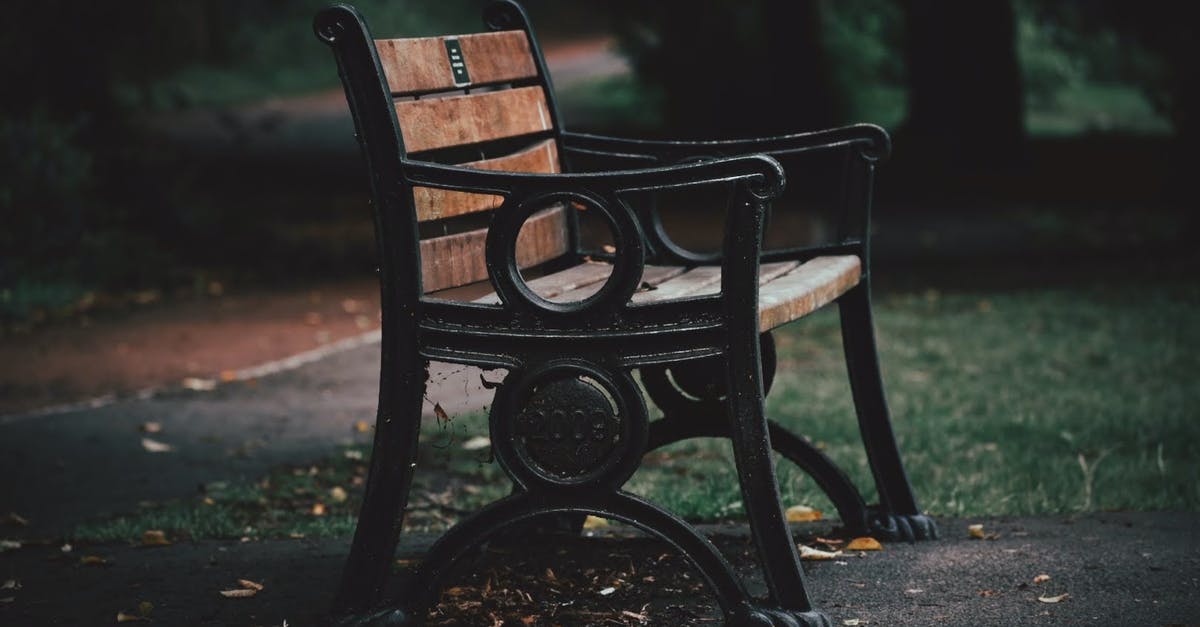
(154, 446)
(1043, 578)
(93, 560)
(154, 537)
(476, 443)
(10, 584)
(865, 543)
(338, 494)
(318, 509)
(362, 426)
(809, 553)
(125, 617)
(150, 427)
(242, 593)
(250, 585)
(9, 545)
(15, 519)
(1054, 599)
(594, 522)
(197, 384)
(802, 513)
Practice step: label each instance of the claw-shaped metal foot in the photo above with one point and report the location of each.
(887, 526)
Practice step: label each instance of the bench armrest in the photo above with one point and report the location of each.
(763, 174)
(873, 140)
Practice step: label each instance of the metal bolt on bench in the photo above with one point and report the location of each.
(569, 424)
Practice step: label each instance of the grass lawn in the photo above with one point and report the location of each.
(1023, 402)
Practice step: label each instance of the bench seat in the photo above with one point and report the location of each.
(788, 290)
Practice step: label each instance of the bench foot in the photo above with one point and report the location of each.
(773, 617)
(902, 527)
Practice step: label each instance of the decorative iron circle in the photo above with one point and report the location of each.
(501, 253)
(569, 423)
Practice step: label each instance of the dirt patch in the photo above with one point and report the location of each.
(123, 352)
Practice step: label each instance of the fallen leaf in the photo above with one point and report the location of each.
(641, 618)
(914, 591)
(977, 532)
(11, 584)
(250, 585)
(440, 413)
(594, 522)
(154, 446)
(338, 494)
(318, 509)
(988, 593)
(241, 593)
(197, 384)
(66, 548)
(477, 443)
(15, 519)
(1054, 599)
(1043, 578)
(802, 513)
(607, 591)
(228, 376)
(354, 454)
(9, 545)
(150, 427)
(865, 543)
(809, 553)
(155, 537)
(362, 426)
(852, 622)
(609, 248)
(123, 617)
(93, 560)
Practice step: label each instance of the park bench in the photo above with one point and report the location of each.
(569, 423)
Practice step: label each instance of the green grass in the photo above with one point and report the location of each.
(1000, 402)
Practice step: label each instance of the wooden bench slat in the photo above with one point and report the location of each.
(435, 204)
(706, 280)
(421, 65)
(551, 285)
(809, 287)
(458, 259)
(470, 119)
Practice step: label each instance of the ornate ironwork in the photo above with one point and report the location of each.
(569, 424)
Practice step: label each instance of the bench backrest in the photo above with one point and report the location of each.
(481, 96)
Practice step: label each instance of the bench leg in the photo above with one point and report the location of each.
(897, 516)
(751, 440)
(852, 510)
(373, 549)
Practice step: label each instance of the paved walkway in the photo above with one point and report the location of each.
(1118, 569)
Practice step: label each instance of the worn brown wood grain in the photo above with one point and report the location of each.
(435, 204)
(458, 259)
(420, 65)
(806, 289)
(456, 120)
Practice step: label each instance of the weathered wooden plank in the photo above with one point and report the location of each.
(458, 259)
(435, 204)
(706, 280)
(422, 65)
(455, 120)
(807, 288)
(652, 276)
(551, 285)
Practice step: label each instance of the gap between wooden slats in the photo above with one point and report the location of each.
(421, 65)
(471, 119)
(458, 259)
(802, 291)
(435, 204)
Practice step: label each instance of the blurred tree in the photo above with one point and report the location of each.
(731, 68)
(965, 95)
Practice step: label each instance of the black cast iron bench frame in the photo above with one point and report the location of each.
(604, 338)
